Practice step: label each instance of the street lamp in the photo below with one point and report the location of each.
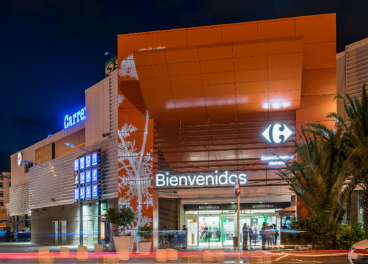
(107, 53)
(31, 162)
(73, 146)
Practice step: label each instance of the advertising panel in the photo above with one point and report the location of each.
(77, 139)
(45, 153)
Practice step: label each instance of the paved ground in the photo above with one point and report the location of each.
(27, 253)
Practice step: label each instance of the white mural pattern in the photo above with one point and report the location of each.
(137, 166)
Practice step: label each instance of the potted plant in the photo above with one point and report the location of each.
(123, 217)
(145, 232)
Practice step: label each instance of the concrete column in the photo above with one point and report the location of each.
(155, 219)
(81, 224)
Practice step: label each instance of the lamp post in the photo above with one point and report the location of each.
(237, 191)
(73, 146)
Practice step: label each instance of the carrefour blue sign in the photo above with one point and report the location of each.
(71, 120)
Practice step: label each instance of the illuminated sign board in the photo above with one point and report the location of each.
(20, 159)
(88, 160)
(76, 194)
(88, 176)
(76, 165)
(81, 163)
(276, 160)
(87, 168)
(82, 193)
(95, 193)
(94, 175)
(94, 159)
(88, 192)
(71, 120)
(82, 178)
(225, 178)
(277, 133)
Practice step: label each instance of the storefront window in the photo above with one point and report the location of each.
(228, 227)
(192, 226)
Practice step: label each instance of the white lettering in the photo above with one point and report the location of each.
(174, 181)
(70, 120)
(209, 176)
(192, 182)
(223, 176)
(160, 180)
(200, 180)
(232, 176)
(183, 178)
(66, 121)
(242, 178)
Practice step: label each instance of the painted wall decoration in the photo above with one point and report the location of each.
(135, 158)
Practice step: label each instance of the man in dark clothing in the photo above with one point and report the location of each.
(185, 236)
(245, 237)
(263, 235)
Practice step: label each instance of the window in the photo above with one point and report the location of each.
(1, 203)
(1, 185)
(1, 194)
(27, 166)
(9, 184)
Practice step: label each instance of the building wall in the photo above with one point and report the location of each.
(341, 81)
(318, 66)
(98, 112)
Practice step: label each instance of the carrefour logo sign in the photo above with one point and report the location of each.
(277, 133)
(71, 120)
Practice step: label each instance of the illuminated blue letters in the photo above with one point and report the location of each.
(71, 120)
(88, 192)
(76, 194)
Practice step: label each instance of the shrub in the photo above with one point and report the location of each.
(323, 234)
(350, 235)
(123, 216)
(145, 232)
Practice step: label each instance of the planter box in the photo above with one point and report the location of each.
(123, 242)
(144, 248)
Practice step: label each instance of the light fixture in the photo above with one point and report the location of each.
(205, 203)
(216, 171)
(73, 146)
(167, 173)
(69, 144)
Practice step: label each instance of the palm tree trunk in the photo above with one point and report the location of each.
(365, 207)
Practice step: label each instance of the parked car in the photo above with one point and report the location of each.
(359, 252)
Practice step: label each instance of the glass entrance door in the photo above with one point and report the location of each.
(228, 230)
(192, 226)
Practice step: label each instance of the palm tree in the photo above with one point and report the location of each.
(355, 132)
(322, 177)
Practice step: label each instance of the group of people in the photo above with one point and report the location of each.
(268, 233)
(172, 237)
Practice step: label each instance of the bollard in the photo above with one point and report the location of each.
(98, 248)
(208, 255)
(161, 255)
(219, 255)
(82, 253)
(172, 254)
(123, 254)
(64, 252)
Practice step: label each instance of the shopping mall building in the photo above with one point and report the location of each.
(187, 113)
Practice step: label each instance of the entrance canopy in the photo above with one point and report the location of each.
(230, 79)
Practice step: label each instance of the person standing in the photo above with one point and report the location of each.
(245, 237)
(185, 237)
(263, 236)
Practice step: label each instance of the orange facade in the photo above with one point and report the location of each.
(239, 72)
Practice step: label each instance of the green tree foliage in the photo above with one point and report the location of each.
(145, 232)
(322, 177)
(123, 216)
(355, 137)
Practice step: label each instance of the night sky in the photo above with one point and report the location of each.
(53, 50)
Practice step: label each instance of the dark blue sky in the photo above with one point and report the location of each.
(53, 50)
